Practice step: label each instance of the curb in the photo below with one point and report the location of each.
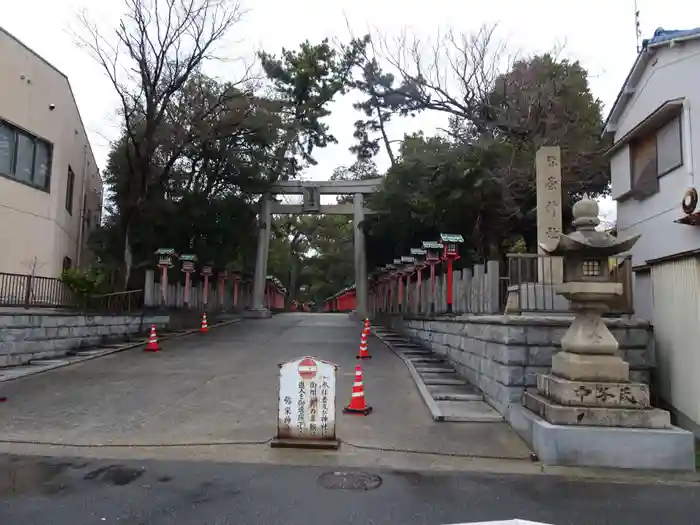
(110, 351)
(422, 389)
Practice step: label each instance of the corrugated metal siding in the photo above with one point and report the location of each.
(676, 318)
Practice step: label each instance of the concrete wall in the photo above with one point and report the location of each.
(26, 337)
(34, 222)
(502, 354)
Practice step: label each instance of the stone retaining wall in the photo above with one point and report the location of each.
(34, 336)
(501, 354)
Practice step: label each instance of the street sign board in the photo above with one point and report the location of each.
(306, 410)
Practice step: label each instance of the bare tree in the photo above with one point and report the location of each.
(157, 47)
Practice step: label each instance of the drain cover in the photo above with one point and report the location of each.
(349, 481)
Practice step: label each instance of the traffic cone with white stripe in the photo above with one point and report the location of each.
(357, 400)
(368, 327)
(364, 352)
(152, 345)
(205, 327)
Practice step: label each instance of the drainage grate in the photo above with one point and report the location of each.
(349, 481)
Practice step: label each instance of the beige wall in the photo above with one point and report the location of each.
(35, 223)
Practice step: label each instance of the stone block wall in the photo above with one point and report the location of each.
(34, 336)
(502, 354)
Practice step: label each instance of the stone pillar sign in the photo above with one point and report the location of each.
(549, 219)
(306, 413)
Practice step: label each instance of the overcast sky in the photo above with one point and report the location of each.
(600, 33)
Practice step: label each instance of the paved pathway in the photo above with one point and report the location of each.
(222, 387)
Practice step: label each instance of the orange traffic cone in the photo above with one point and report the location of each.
(152, 345)
(364, 352)
(205, 327)
(357, 400)
(367, 325)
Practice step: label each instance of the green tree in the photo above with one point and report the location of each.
(159, 47)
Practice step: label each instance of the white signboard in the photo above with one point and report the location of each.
(307, 400)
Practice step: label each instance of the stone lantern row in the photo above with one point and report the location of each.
(391, 278)
(166, 257)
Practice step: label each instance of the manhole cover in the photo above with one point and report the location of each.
(349, 481)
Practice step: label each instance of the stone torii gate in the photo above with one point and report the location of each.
(312, 191)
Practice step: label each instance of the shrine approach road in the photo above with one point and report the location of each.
(162, 415)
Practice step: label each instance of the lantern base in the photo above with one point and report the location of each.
(258, 313)
(584, 446)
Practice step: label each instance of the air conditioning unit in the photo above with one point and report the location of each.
(689, 205)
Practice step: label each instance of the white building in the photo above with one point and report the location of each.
(655, 123)
(50, 188)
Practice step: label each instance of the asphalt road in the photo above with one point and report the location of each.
(56, 491)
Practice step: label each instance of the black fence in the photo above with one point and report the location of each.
(32, 291)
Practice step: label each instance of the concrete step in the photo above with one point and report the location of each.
(464, 392)
(434, 369)
(48, 362)
(418, 360)
(442, 379)
(406, 345)
(468, 411)
(85, 353)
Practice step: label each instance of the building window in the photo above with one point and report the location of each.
(70, 186)
(24, 157)
(67, 263)
(654, 155)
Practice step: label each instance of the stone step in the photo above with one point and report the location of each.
(406, 345)
(417, 360)
(468, 411)
(86, 353)
(455, 393)
(433, 369)
(415, 352)
(48, 362)
(442, 379)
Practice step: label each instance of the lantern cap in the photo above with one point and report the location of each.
(418, 251)
(166, 251)
(452, 238)
(188, 257)
(432, 245)
(586, 240)
(407, 259)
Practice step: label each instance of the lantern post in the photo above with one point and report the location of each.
(432, 258)
(391, 275)
(408, 269)
(165, 262)
(419, 264)
(399, 276)
(207, 271)
(450, 241)
(188, 262)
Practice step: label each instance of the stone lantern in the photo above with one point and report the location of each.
(589, 380)
(593, 414)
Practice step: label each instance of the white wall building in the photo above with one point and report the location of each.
(50, 187)
(655, 123)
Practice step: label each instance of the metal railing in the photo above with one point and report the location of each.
(118, 302)
(31, 291)
(526, 286)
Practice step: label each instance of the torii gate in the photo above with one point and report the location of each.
(312, 191)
